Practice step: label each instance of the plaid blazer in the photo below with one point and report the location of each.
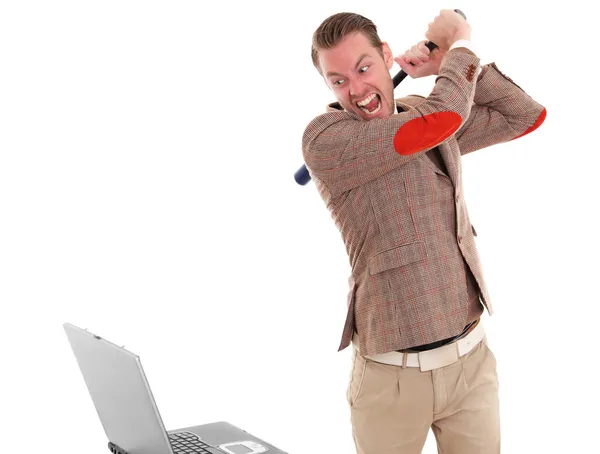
(404, 221)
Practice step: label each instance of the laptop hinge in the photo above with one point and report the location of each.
(115, 449)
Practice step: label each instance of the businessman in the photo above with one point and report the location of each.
(389, 172)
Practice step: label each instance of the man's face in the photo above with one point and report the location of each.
(359, 76)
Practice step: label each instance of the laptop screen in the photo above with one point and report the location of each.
(120, 392)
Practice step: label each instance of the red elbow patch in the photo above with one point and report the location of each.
(426, 132)
(536, 125)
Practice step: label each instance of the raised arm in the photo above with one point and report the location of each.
(502, 111)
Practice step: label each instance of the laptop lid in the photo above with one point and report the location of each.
(120, 392)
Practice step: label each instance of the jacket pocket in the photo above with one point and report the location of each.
(397, 257)
(357, 376)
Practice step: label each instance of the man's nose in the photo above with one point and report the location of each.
(356, 87)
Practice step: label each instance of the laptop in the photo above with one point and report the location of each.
(128, 412)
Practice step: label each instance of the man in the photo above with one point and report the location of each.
(390, 174)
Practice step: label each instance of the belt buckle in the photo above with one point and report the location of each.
(438, 357)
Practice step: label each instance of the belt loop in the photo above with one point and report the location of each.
(404, 358)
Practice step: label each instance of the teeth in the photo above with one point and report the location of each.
(364, 109)
(366, 101)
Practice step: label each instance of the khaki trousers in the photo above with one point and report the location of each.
(393, 408)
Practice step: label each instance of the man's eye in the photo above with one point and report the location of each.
(338, 82)
(364, 69)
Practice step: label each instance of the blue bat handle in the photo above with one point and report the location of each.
(302, 176)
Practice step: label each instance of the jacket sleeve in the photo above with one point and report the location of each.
(345, 152)
(502, 111)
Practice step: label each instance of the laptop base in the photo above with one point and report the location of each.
(231, 439)
(220, 435)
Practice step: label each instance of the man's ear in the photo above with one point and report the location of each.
(388, 57)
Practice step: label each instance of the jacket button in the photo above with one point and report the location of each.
(459, 238)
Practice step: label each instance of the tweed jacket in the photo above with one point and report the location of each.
(403, 220)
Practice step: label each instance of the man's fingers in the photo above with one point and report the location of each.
(405, 65)
(422, 46)
(419, 53)
(412, 57)
(430, 36)
(401, 60)
(415, 56)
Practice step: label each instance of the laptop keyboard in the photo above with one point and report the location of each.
(188, 443)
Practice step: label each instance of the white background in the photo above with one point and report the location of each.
(146, 158)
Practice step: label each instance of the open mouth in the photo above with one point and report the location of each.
(370, 105)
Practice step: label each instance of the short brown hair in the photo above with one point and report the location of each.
(333, 29)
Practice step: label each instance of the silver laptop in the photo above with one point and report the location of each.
(126, 407)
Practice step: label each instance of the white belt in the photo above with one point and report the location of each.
(434, 358)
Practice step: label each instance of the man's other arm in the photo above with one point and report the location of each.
(502, 112)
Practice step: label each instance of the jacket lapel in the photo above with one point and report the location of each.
(447, 156)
